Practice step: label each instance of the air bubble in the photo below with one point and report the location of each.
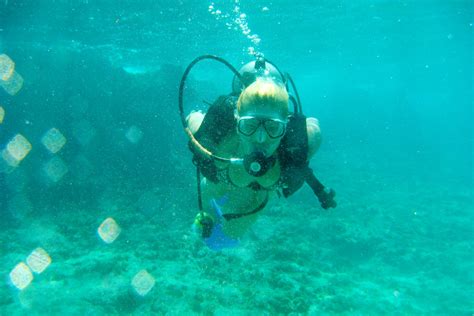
(238, 21)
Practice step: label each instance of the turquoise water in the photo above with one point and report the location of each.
(390, 81)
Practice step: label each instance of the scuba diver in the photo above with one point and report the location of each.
(249, 147)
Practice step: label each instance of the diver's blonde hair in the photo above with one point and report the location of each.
(264, 91)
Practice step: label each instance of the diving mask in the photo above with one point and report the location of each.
(248, 125)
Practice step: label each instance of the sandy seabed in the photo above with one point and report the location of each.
(394, 250)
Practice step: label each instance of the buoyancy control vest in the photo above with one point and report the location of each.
(220, 120)
(292, 152)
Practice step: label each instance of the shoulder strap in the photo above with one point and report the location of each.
(218, 122)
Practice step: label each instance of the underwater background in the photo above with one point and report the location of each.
(90, 132)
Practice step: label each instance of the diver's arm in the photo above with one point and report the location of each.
(314, 136)
(325, 195)
(194, 120)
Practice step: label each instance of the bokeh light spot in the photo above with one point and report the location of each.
(143, 282)
(16, 150)
(109, 230)
(55, 169)
(13, 84)
(83, 131)
(134, 134)
(38, 260)
(53, 140)
(7, 67)
(21, 276)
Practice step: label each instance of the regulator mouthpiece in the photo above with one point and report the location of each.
(257, 164)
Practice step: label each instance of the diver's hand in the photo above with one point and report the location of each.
(203, 224)
(326, 198)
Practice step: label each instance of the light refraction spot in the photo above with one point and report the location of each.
(8, 163)
(16, 150)
(143, 282)
(134, 134)
(53, 140)
(2, 114)
(7, 67)
(38, 260)
(13, 84)
(55, 169)
(21, 276)
(83, 131)
(109, 230)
